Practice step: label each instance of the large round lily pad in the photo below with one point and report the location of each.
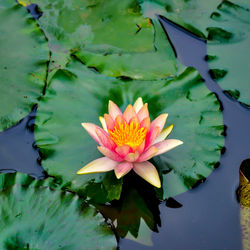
(114, 37)
(32, 216)
(78, 94)
(24, 53)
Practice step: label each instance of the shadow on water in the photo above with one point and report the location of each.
(209, 215)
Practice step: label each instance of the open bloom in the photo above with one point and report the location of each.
(128, 140)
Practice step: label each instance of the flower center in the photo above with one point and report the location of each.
(128, 134)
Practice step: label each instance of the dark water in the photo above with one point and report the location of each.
(206, 217)
(34, 10)
(17, 149)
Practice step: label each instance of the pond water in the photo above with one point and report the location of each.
(206, 217)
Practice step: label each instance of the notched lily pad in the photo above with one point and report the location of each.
(33, 216)
(192, 15)
(24, 54)
(225, 25)
(78, 94)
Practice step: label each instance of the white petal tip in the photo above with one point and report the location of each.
(155, 183)
(118, 176)
(102, 121)
(111, 102)
(158, 185)
(83, 124)
(148, 172)
(81, 172)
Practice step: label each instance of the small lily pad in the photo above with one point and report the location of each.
(33, 216)
(24, 54)
(78, 94)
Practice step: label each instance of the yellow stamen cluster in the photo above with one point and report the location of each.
(128, 134)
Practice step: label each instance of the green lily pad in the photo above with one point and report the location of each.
(194, 15)
(226, 26)
(78, 94)
(230, 48)
(115, 38)
(33, 216)
(24, 54)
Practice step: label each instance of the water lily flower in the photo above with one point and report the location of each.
(128, 140)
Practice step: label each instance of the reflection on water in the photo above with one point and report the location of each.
(137, 206)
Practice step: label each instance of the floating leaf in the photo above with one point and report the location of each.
(32, 216)
(24, 54)
(231, 49)
(116, 39)
(194, 15)
(226, 26)
(78, 94)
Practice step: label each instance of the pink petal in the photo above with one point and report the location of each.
(109, 153)
(122, 169)
(119, 119)
(143, 112)
(148, 172)
(134, 120)
(100, 165)
(102, 121)
(109, 122)
(123, 150)
(159, 122)
(129, 113)
(151, 136)
(104, 138)
(114, 110)
(167, 145)
(138, 104)
(131, 157)
(148, 154)
(164, 134)
(91, 129)
(146, 123)
(140, 149)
